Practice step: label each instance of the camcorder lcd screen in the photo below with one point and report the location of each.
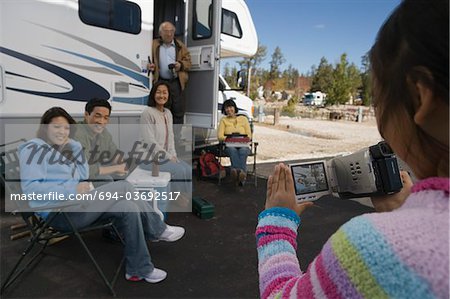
(309, 178)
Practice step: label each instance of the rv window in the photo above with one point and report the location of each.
(117, 15)
(230, 24)
(202, 19)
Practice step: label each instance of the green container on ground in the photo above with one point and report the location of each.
(202, 208)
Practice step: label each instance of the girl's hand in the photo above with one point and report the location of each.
(387, 203)
(280, 191)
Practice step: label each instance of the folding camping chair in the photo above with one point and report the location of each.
(253, 152)
(41, 232)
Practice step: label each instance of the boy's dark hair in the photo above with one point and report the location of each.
(229, 103)
(151, 98)
(96, 102)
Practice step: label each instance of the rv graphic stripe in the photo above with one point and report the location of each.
(36, 79)
(118, 59)
(136, 76)
(82, 90)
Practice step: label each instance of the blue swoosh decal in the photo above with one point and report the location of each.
(136, 76)
(135, 101)
(83, 89)
(35, 79)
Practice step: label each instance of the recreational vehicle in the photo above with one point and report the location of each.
(314, 99)
(64, 52)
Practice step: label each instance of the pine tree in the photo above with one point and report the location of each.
(277, 60)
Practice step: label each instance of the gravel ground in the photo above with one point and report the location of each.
(297, 139)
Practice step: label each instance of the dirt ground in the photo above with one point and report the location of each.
(297, 138)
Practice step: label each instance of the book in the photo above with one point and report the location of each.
(237, 141)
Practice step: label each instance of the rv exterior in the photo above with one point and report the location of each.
(315, 99)
(244, 103)
(62, 53)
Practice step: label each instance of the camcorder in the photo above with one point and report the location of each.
(172, 69)
(372, 171)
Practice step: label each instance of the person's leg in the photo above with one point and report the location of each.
(243, 153)
(78, 219)
(179, 171)
(127, 218)
(138, 223)
(135, 220)
(233, 153)
(181, 181)
(177, 106)
(135, 231)
(101, 180)
(94, 205)
(154, 228)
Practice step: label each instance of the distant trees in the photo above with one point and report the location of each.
(255, 60)
(322, 77)
(230, 75)
(340, 81)
(346, 81)
(285, 80)
(275, 63)
(290, 76)
(365, 81)
(252, 63)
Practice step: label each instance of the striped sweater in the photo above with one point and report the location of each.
(398, 254)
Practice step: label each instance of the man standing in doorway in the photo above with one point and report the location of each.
(171, 63)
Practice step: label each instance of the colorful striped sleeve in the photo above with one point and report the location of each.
(356, 262)
(279, 270)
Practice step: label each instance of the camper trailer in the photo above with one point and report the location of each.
(314, 99)
(62, 53)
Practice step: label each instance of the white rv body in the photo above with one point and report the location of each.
(244, 103)
(50, 56)
(317, 98)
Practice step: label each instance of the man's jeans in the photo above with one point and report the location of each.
(135, 220)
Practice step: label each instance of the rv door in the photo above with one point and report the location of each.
(203, 38)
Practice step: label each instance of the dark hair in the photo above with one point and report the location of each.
(411, 46)
(229, 103)
(151, 98)
(47, 119)
(96, 102)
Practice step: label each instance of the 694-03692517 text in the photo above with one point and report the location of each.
(137, 195)
(99, 195)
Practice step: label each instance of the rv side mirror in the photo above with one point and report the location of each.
(241, 79)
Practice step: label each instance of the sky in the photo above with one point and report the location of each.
(307, 30)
